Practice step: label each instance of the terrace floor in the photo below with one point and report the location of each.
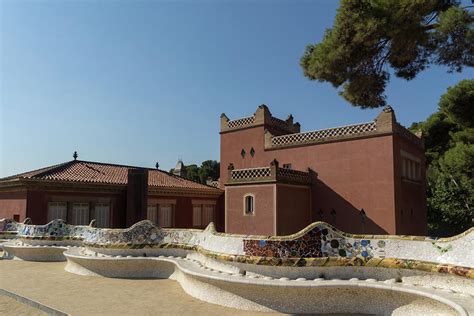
(9, 306)
(48, 284)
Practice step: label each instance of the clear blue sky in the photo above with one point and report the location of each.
(135, 82)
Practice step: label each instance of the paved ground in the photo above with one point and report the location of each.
(49, 284)
(9, 306)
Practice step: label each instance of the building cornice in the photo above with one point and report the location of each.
(72, 186)
(188, 192)
(240, 128)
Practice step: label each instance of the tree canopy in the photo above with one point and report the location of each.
(449, 145)
(370, 36)
(209, 169)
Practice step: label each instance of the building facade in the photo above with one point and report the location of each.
(362, 178)
(274, 180)
(114, 195)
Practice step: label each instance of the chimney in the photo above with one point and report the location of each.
(137, 195)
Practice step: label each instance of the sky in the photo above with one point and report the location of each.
(140, 82)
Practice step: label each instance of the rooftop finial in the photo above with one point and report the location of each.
(157, 165)
(75, 155)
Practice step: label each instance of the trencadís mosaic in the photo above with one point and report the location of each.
(317, 245)
(320, 241)
(54, 230)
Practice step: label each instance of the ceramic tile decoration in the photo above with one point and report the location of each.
(141, 234)
(179, 236)
(54, 230)
(319, 244)
(320, 241)
(8, 225)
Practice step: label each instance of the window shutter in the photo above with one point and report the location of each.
(152, 214)
(165, 215)
(102, 215)
(57, 210)
(197, 215)
(208, 214)
(80, 214)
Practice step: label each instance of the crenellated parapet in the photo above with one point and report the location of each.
(321, 136)
(261, 117)
(384, 124)
(271, 174)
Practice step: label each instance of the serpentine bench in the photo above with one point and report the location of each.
(46, 242)
(9, 227)
(302, 272)
(318, 269)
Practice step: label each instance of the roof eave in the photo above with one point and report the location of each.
(159, 190)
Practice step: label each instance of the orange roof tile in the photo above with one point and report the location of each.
(96, 172)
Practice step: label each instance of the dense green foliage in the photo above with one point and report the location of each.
(449, 145)
(369, 36)
(209, 169)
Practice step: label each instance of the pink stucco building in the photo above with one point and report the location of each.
(275, 180)
(362, 178)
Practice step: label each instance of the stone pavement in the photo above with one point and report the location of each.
(48, 284)
(9, 306)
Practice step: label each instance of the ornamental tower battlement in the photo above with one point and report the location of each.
(261, 117)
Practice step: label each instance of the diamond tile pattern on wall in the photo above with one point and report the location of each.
(241, 122)
(251, 173)
(323, 134)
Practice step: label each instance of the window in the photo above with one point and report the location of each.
(252, 152)
(165, 215)
(197, 215)
(16, 218)
(249, 205)
(57, 210)
(287, 166)
(102, 215)
(242, 153)
(151, 214)
(411, 167)
(203, 214)
(80, 214)
(207, 214)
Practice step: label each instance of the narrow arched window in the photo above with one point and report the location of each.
(249, 205)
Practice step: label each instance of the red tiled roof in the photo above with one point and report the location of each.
(95, 172)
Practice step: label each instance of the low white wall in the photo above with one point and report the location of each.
(257, 294)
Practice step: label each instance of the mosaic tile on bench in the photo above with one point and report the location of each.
(320, 241)
(138, 235)
(57, 229)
